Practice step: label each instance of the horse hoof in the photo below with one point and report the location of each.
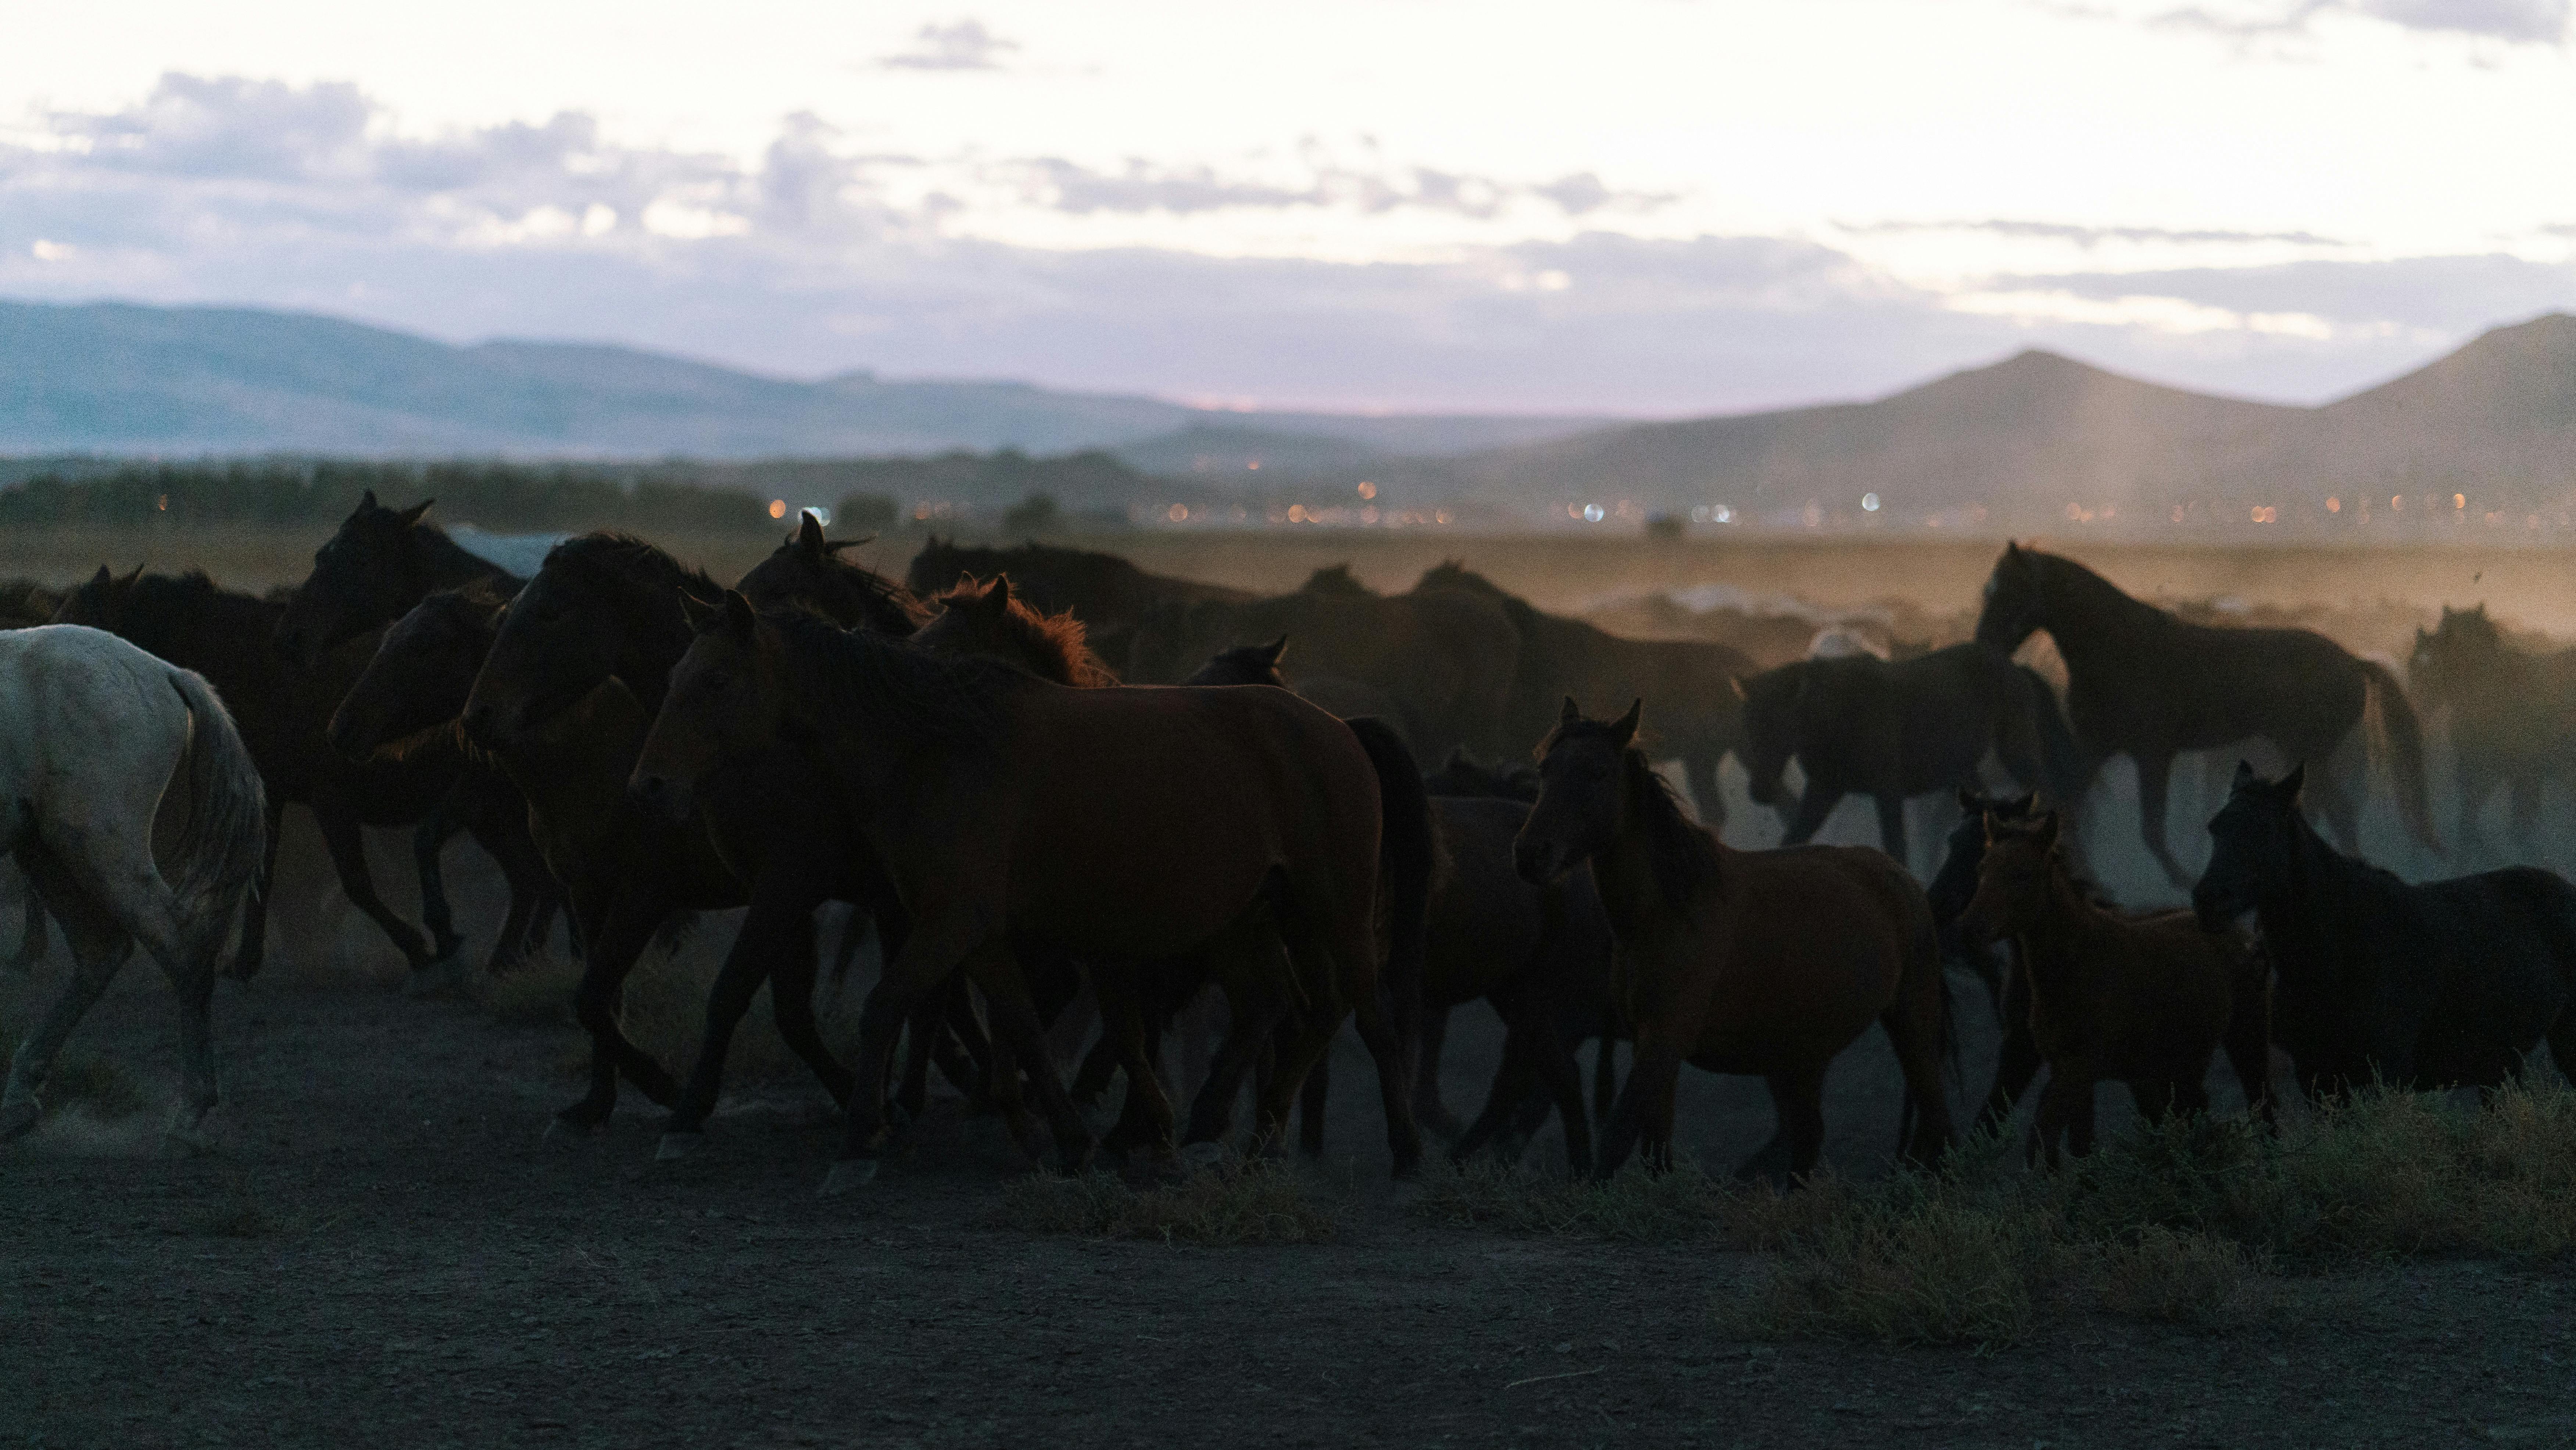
(847, 1174)
(18, 1117)
(676, 1146)
(1203, 1155)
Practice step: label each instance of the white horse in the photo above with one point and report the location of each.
(105, 754)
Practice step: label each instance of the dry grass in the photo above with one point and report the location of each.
(2192, 1222)
(1256, 1202)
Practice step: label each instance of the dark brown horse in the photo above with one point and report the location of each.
(1107, 593)
(2147, 685)
(605, 605)
(1445, 660)
(1761, 962)
(2139, 1000)
(2512, 720)
(370, 573)
(282, 711)
(1117, 825)
(1859, 725)
(1697, 716)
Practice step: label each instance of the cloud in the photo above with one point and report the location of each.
(816, 257)
(962, 45)
(2091, 236)
(1142, 186)
(2541, 22)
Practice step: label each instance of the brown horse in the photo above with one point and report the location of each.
(2145, 684)
(1761, 962)
(1444, 660)
(2140, 1000)
(282, 711)
(1117, 825)
(2512, 720)
(1697, 716)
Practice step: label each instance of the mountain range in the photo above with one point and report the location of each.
(2033, 439)
(119, 378)
(2039, 436)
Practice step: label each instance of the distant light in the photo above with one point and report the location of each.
(2397, 502)
(1177, 512)
(1722, 514)
(1254, 465)
(778, 508)
(2334, 505)
(1593, 513)
(1367, 489)
(2459, 500)
(1869, 502)
(822, 515)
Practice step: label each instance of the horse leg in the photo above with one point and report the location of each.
(99, 946)
(533, 892)
(996, 969)
(2070, 1087)
(623, 933)
(2155, 777)
(917, 972)
(1556, 1071)
(1510, 1088)
(1428, 1110)
(1700, 768)
(349, 858)
(1645, 1110)
(254, 933)
(1605, 1076)
(1312, 1094)
(1356, 956)
(1253, 971)
(1146, 1116)
(1798, 1098)
(1891, 828)
(2017, 1061)
(2249, 1037)
(2330, 793)
(767, 935)
(1914, 1029)
(428, 839)
(1815, 804)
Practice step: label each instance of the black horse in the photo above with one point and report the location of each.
(1862, 725)
(2147, 685)
(2447, 983)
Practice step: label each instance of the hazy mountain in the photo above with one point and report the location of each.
(119, 378)
(2028, 437)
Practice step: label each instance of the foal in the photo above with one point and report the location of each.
(2139, 1000)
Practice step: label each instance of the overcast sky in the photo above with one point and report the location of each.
(1638, 206)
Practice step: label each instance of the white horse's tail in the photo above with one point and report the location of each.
(219, 851)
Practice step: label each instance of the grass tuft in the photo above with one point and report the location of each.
(2188, 1222)
(1256, 1202)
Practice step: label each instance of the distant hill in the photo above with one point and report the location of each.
(126, 379)
(2028, 437)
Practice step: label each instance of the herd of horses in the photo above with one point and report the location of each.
(1247, 819)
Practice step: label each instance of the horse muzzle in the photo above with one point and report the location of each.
(662, 796)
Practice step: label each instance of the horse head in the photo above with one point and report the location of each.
(2254, 846)
(363, 576)
(1244, 664)
(421, 674)
(1772, 703)
(2018, 866)
(1582, 795)
(2013, 610)
(725, 697)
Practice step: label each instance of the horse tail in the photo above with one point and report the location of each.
(1409, 861)
(2067, 773)
(2396, 740)
(1923, 955)
(220, 847)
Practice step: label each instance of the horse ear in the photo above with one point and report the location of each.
(2294, 781)
(997, 595)
(412, 515)
(701, 615)
(1626, 726)
(738, 618)
(809, 537)
(2020, 805)
(368, 502)
(1272, 652)
(102, 576)
(1988, 818)
(2244, 775)
(2048, 831)
(1567, 717)
(134, 574)
(1736, 683)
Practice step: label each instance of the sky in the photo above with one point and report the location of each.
(1647, 207)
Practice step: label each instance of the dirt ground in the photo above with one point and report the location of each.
(383, 1250)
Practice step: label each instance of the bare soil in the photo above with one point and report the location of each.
(383, 1251)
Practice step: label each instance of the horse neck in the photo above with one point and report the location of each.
(439, 562)
(2089, 617)
(2056, 939)
(654, 634)
(1630, 881)
(2300, 921)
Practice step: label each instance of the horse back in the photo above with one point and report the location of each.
(1813, 944)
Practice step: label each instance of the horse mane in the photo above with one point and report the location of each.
(1454, 574)
(1058, 639)
(172, 601)
(2470, 629)
(895, 688)
(624, 561)
(2063, 578)
(1683, 854)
